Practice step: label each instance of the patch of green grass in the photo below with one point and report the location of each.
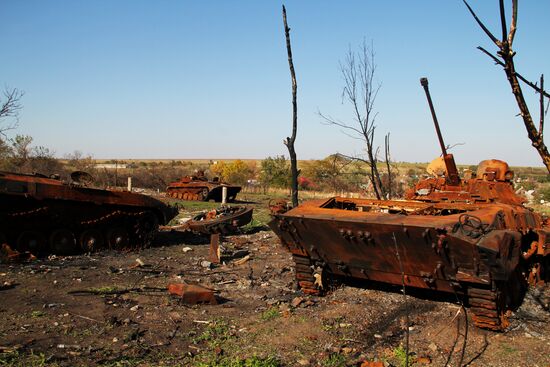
(334, 360)
(400, 355)
(508, 349)
(270, 314)
(217, 332)
(104, 290)
(157, 359)
(17, 359)
(254, 361)
(36, 314)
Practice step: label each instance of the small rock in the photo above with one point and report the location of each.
(433, 347)
(187, 249)
(296, 302)
(378, 336)
(135, 308)
(206, 264)
(347, 350)
(115, 339)
(424, 360)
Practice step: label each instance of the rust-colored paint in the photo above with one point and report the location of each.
(474, 238)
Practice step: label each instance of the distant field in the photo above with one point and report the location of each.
(518, 169)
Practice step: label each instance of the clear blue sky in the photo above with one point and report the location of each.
(210, 79)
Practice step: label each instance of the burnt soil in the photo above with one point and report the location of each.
(107, 309)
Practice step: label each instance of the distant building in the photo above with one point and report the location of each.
(111, 165)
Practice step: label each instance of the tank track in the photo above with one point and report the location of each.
(487, 309)
(305, 275)
(492, 307)
(186, 196)
(118, 229)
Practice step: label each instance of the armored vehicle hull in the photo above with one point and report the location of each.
(43, 215)
(199, 188)
(476, 250)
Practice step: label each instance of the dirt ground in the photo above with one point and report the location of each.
(106, 309)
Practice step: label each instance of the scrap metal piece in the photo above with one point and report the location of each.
(223, 220)
(214, 251)
(192, 294)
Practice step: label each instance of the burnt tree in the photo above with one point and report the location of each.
(505, 58)
(289, 141)
(360, 90)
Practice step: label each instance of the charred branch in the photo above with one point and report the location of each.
(506, 55)
(10, 107)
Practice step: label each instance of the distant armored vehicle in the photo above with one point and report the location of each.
(200, 188)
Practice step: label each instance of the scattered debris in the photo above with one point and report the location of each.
(242, 261)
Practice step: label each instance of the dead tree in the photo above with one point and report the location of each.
(505, 58)
(9, 108)
(289, 141)
(360, 90)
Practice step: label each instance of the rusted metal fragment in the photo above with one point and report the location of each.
(193, 294)
(214, 251)
(7, 255)
(222, 220)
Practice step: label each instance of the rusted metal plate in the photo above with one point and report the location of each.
(192, 294)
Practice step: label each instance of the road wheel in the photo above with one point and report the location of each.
(203, 194)
(117, 238)
(91, 240)
(31, 241)
(62, 242)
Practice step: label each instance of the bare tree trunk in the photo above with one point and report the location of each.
(289, 142)
(387, 157)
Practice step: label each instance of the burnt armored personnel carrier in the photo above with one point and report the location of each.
(468, 236)
(201, 189)
(45, 215)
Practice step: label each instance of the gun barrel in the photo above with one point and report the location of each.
(452, 171)
(424, 83)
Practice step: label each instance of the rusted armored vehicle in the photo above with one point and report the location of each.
(200, 188)
(44, 215)
(467, 236)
